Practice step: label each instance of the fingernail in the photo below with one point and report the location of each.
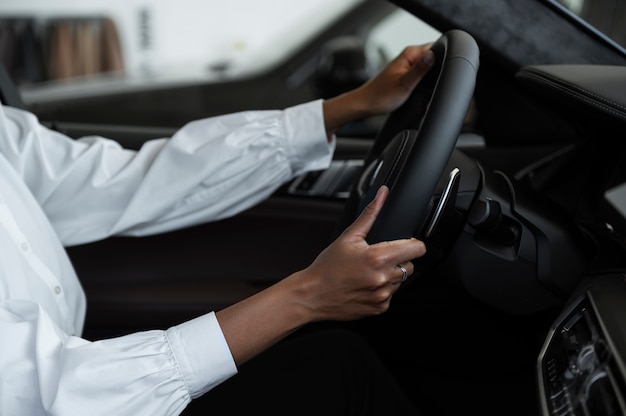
(428, 58)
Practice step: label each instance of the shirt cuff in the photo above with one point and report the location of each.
(202, 353)
(306, 135)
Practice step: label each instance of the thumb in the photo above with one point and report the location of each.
(363, 224)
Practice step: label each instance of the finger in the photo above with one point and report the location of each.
(404, 273)
(421, 57)
(404, 270)
(403, 249)
(363, 224)
(421, 61)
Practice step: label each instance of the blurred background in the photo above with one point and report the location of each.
(42, 40)
(51, 39)
(165, 62)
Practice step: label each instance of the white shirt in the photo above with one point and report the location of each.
(55, 192)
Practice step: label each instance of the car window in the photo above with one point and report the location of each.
(399, 29)
(154, 37)
(63, 52)
(606, 16)
(151, 42)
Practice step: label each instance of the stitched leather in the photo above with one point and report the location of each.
(601, 87)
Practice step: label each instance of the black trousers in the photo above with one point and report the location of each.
(322, 372)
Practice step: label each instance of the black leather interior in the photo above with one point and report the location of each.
(580, 87)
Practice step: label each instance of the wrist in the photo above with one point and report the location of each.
(344, 109)
(293, 294)
(302, 293)
(357, 103)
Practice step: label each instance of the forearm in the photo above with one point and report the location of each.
(256, 323)
(344, 109)
(237, 160)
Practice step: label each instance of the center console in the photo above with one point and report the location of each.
(581, 368)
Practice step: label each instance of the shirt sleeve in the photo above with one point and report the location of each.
(92, 188)
(47, 372)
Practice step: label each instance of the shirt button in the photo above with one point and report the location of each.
(24, 246)
(57, 290)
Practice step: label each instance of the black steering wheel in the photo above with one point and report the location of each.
(416, 141)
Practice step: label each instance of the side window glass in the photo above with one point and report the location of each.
(398, 30)
(607, 16)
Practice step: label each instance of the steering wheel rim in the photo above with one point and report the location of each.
(416, 141)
